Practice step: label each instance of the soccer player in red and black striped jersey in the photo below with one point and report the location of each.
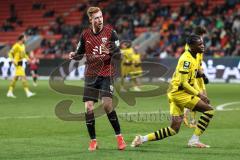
(33, 65)
(99, 44)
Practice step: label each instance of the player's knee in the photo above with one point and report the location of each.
(209, 108)
(176, 129)
(176, 124)
(107, 107)
(89, 106)
(107, 104)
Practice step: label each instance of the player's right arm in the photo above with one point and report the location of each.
(184, 71)
(79, 52)
(188, 88)
(11, 53)
(184, 83)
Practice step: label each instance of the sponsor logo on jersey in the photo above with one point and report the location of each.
(104, 40)
(186, 65)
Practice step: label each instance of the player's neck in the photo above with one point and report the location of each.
(20, 42)
(194, 54)
(96, 31)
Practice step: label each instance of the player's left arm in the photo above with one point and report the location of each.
(200, 73)
(12, 51)
(184, 81)
(80, 50)
(12, 54)
(114, 46)
(201, 85)
(195, 85)
(26, 57)
(184, 70)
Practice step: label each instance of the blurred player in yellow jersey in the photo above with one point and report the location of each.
(137, 68)
(130, 66)
(126, 62)
(201, 81)
(184, 92)
(17, 54)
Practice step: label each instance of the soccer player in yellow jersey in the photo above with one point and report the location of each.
(201, 81)
(130, 65)
(136, 64)
(17, 54)
(201, 77)
(136, 70)
(184, 92)
(126, 63)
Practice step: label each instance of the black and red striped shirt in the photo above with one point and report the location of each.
(99, 49)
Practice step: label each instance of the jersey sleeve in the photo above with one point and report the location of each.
(184, 70)
(13, 50)
(26, 56)
(196, 85)
(184, 65)
(201, 84)
(187, 87)
(80, 47)
(115, 44)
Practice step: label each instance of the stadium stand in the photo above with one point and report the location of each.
(60, 23)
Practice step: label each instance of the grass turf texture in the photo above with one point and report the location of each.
(29, 128)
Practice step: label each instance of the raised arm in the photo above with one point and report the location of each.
(79, 52)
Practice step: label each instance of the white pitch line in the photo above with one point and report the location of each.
(222, 106)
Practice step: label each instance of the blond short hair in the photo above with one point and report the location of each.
(92, 10)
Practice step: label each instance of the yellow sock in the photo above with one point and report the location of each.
(161, 134)
(26, 89)
(25, 84)
(10, 89)
(203, 122)
(12, 84)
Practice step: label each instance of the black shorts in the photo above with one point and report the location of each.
(97, 87)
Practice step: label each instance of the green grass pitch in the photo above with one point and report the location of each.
(30, 130)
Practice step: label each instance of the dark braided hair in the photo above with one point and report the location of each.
(192, 39)
(200, 30)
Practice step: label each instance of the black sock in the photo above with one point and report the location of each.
(114, 122)
(90, 122)
(35, 79)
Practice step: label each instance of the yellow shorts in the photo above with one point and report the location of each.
(125, 70)
(180, 100)
(19, 71)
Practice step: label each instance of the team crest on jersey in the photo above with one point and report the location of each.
(186, 65)
(104, 40)
(111, 89)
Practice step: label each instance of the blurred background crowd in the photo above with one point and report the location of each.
(173, 21)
